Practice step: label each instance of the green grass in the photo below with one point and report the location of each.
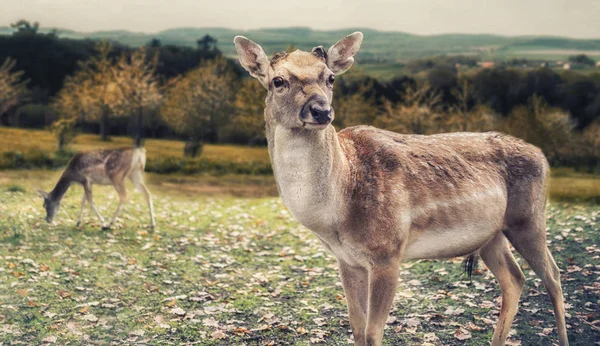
(163, 156)
(244, 270)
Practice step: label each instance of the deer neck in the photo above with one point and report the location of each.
(60, 189)
(310, 169)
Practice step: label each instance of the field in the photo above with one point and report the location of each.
(27, 140)
(221, 270)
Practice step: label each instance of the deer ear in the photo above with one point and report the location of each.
(253, 59)
(340, 56)
(42, 193)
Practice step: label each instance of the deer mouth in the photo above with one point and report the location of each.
(315, 126)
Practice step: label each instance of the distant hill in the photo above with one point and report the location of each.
(378, 45)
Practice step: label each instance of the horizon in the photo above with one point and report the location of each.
(44, 28)
(558, 18)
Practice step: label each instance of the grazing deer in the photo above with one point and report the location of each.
(375, 198)
(104, 167)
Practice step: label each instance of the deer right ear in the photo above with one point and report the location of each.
(253, 59)
(42, 194)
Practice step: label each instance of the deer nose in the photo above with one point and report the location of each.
(320, 114)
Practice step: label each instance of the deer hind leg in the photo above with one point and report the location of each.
(356, 287)
(87, 188)
(529, 239)
(120, 187)
(499, 259)
(81, 211)
(383, 280)
(137, 178)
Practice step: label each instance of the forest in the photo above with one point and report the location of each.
(73, 86)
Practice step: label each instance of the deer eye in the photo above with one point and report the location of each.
(331, 79)
(278, 82)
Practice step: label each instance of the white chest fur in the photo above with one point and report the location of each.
(303, 173)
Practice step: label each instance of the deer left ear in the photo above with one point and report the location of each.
(340, 56)
(42, 194)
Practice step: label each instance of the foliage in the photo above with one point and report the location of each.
(582, 59)
(140, 95)
(202, 101)
(550, 129)
(247, 125)
(13, 88)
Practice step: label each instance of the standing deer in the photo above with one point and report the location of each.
(104, 167)
(375, 198)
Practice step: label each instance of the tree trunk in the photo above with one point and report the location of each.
(193, 147)
(104, 126)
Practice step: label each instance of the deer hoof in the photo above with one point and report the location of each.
(105, 228)
(78, 224)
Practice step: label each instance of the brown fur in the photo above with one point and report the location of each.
(375, 198)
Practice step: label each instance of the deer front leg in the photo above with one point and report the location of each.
(87, 187)
(383, 280)
(356, 287)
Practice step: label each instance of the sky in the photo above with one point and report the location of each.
(571, 18)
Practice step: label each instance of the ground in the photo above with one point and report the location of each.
(225, 270)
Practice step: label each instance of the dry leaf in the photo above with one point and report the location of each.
(462, 334)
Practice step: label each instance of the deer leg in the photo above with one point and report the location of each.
(499, 259)
(81, 211)
(87, 187)
(529, 239)
(383, 280)
(356, 285)
(138, 180)
(120, 187)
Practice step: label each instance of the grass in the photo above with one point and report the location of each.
(21, 140)
(164, 156)
(224, 270)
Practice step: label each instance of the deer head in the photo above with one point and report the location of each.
(50, 205)
(299, 84)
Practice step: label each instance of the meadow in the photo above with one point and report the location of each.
(228, 265)
(224, 270)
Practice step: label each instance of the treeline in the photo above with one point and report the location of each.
(198, 95)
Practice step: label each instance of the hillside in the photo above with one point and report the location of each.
(378, 45)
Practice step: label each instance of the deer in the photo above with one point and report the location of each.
(103, 167)
(376, 198)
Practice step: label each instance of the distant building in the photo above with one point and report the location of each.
(487, 64)
(573, 66)
(597, 63)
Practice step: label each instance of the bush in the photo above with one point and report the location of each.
(33, 116)
(34, 158)
(15, 188)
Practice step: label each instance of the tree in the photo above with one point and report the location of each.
(418, 113)
(207, 43)
(24, 27)
(102, 96)
(248, 123)
(551, 129)
(13, 88)
(201, 102)
(70, 104)
(135, 76)
(582, 59)
(356, 108)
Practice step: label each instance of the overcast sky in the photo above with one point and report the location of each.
(573, 18)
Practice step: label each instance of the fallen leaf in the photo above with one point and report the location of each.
(462, 334)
